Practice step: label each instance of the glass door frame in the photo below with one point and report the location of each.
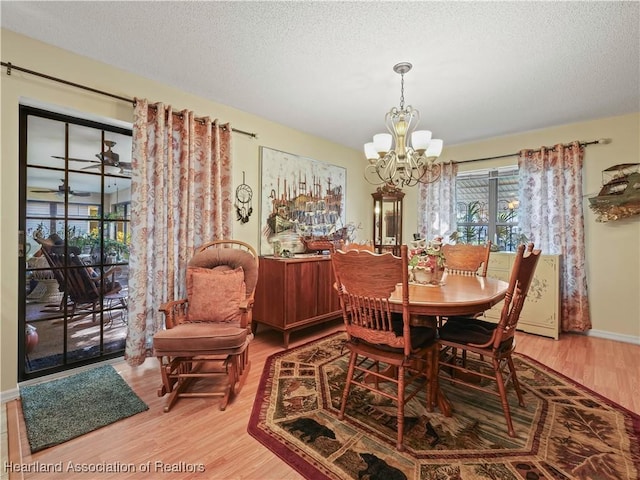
(104, 220)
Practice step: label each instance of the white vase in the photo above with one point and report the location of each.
(422, 275)
(426, 275)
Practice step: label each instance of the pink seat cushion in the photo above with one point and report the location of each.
(199, 338)
(215, 295)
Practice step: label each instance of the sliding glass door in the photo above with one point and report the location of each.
(75, 192)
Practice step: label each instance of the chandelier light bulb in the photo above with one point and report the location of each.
(370, 151)
(435, 149)
(420, 140)
(382, 143)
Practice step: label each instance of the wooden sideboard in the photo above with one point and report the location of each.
(541, 311)
(294, 293)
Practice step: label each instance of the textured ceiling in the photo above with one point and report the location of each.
(481, 69)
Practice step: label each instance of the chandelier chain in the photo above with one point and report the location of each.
(402, 91)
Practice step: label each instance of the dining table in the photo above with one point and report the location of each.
(465, 295)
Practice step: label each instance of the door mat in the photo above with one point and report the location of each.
(59, 410)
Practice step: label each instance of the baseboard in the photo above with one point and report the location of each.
(614, 336)
(9, 395)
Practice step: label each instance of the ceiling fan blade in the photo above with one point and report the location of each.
(97, 166)
(75, 159)
(62, 189)
(106, 168)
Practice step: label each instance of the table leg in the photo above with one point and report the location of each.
(440, 398)
(437, 397)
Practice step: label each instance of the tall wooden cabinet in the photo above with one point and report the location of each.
(387, 219)
(294, 293)
(541, 311)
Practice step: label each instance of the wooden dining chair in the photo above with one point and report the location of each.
(345, 247)
(489, 345)
(464, 259)
(384, 346)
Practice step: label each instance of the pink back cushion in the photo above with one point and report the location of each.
(229, 258)
(215, 294)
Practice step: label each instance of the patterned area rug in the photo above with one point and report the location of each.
(565, 432)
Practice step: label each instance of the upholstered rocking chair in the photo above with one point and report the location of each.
(208, 333)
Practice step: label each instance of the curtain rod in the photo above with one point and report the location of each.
(583, 144)
(132, 101)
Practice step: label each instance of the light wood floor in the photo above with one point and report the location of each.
(197, 432)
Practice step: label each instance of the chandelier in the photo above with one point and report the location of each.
(392, 160)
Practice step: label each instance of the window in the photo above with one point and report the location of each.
(487, 207)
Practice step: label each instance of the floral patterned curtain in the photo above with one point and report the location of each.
(437, 204)
(551, 216)
(180, 198)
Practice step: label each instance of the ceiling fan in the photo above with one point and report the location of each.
(108, 160)
(62, 189)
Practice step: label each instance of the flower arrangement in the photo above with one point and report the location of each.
(423, 254)
(426, 261)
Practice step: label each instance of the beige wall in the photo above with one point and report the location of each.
(613, 249)
(28, 53)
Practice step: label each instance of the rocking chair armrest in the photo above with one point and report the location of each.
(246, 305)
(175, 312)
(108, 272)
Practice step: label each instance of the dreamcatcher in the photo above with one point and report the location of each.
(244, 208)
